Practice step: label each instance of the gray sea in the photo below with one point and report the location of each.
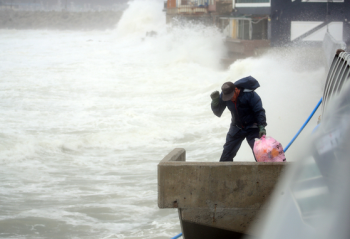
(86, 116)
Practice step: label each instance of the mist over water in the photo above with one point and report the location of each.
(85, 117)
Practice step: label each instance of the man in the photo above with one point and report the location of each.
(248, 116)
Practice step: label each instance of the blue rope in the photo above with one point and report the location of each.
(177, 236)
(302, 127)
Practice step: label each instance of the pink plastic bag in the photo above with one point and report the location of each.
(267, 149)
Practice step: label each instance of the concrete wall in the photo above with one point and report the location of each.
(10, 19)
(224, 195)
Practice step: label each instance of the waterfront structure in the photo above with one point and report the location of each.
(301, 22)
(216, 199)
(254, 24)
(225, 199)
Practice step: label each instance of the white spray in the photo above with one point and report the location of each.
(87, 116)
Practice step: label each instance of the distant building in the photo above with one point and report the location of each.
(307, 21)
(249, 24)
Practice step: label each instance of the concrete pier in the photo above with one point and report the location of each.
(215, 200)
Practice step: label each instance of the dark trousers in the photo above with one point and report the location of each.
(234, 139)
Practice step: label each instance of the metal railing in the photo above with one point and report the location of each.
(188, 9)
(330, 45)
(338, 74)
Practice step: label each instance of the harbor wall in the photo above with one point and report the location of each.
(225, 195)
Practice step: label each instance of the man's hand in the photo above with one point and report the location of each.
(215, 96)
(262, 130)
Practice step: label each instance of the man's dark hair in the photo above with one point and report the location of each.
(228, 89)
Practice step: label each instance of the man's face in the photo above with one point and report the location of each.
(234, 98)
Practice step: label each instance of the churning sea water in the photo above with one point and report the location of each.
(85, 117)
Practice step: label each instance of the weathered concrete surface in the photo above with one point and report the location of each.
(225, 195)
(175, 155)
(233, 219)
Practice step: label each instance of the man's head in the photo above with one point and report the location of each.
(229, 91)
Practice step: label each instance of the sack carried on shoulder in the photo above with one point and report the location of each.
(267, 149)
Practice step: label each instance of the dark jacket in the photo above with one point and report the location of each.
(247, 111)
